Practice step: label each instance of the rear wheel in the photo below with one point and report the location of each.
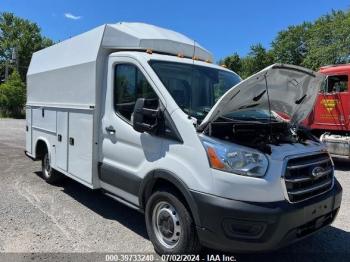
(170, 225)
(50, 175)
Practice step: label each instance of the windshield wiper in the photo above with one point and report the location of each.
(248, 119)
(257, 118)
(206, 110)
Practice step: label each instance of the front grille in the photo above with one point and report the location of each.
(308, 176)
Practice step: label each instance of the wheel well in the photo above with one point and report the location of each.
(41, 149)
(161, 183)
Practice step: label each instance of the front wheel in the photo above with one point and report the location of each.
(169, 225)
(50, 175)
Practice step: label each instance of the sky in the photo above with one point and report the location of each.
(223, 27)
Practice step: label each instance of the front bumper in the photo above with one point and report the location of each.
(239, 226)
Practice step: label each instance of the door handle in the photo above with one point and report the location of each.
(71, 141)
(110, 130)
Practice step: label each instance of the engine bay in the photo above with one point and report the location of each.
(259, 135)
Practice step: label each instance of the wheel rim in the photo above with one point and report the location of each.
(46, 165)
(166, 224)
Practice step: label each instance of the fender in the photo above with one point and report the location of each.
(151, 178)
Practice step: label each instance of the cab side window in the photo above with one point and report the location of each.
(129, 85)
(336, 83)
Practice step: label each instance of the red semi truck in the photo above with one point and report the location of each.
(330, 119)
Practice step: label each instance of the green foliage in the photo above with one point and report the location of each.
(12, 96)
(26, 38)
(329, 40)
(291, 45)
(23, 35)
(257, 59)
(312, 45)
(233, 62)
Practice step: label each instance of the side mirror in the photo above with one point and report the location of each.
(145, 119)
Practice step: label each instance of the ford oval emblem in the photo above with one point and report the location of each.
(317, 171)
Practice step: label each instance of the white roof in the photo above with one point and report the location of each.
(85, 47)
(71, 73)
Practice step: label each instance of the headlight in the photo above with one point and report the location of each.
(235, 160)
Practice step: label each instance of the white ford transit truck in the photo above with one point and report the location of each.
(141, 114)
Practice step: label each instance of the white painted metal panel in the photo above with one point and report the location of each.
(48, 137)
(44, 119)
(80, 140)
(67, 73)
(144, 36)
(72, 86)
(29, 130)
(62, 140)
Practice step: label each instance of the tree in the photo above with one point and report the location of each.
(257, 59)
(312, 45)
(291, 45)
(233, 62)
(22, 35)
(329, 40)
(12, 96)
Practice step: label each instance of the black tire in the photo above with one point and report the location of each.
(50, 175)
(187, 242)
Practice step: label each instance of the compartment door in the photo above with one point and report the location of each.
(29, 130)
(80, 139)
(62, 141)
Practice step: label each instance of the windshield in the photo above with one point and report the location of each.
(194, 88)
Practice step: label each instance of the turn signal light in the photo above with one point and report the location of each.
(213, 159)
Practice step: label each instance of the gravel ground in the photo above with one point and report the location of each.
(69, 218)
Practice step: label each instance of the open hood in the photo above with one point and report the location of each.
(291, 90)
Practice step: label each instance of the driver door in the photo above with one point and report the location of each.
(126, 154)
(332, 105)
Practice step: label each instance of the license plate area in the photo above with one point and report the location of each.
(318, 209)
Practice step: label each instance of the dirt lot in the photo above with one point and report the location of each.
(37, 217)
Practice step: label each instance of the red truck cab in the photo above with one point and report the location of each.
(330, 118)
